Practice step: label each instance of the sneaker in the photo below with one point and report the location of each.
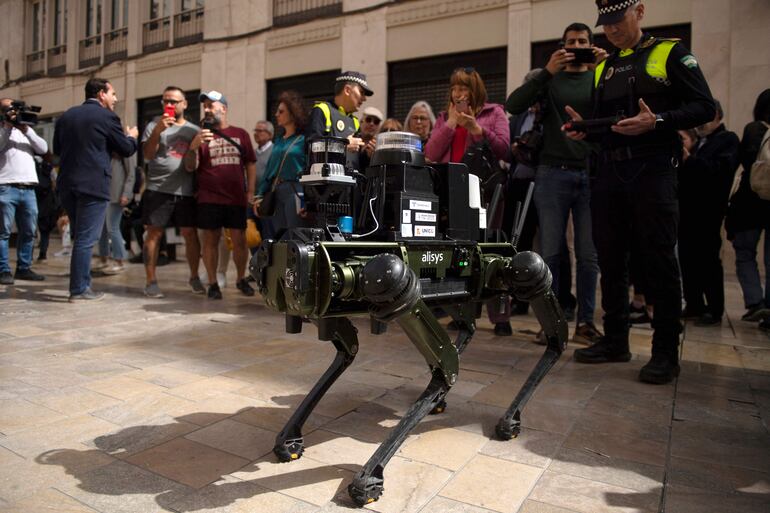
(152, 290)
(586, 334)
(87, 295)
(6, 278)
(136, 259)
(659, 370)
(214, 292)
(28, 274)
(244, 287)
(197, 286)
(756, 313)
(503, 329)
(41, 257)
(603, 351)
(638, 315)
(64, 252)
(708, 320)
(113, 269)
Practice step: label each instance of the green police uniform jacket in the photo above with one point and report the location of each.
(666, 76)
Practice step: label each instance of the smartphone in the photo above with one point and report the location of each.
(169, 110)
(462, 106)
(582, 55)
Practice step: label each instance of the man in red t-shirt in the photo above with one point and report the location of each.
(219, 155)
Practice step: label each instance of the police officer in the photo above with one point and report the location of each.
(657, 87)
(336, 117)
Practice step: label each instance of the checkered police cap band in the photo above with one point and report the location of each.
(617, 7)
(350, 78)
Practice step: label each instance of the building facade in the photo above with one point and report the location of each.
(252, 49)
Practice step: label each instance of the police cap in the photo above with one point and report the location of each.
(612, 11)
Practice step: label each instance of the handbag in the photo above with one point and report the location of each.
(266, 206)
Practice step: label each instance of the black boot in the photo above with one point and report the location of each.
(603, 351)
(661, 369)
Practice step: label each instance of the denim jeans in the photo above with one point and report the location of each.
(111, 235)
(86, 215)
(20, 205)
(557, 192)
(745, 245)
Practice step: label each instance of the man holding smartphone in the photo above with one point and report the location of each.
(561, 181)
(168, 199)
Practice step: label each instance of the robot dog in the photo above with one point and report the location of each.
(395, 244)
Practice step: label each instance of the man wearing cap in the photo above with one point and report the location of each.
(370, 127)
(336, 117)
(220, 154)
(656, 86)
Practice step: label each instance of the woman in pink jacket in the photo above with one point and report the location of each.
(468, 120)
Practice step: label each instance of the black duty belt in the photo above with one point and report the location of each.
(638, 152)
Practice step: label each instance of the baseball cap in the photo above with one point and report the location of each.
(374, 112)
(214, 96)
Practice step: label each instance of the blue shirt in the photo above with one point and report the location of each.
(292, 167)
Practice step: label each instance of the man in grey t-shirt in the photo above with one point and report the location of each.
(169, 197)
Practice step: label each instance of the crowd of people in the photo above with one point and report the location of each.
(646, 196)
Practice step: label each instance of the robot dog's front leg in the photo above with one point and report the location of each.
(530, 280)
(394, 293)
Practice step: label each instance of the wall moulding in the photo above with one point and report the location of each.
(165, 59)
(413, 12)
(292, 37)
(43, 86)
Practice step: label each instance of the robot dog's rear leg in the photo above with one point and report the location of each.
(289, 443)
(464, 316)
(367, 486)
(531, 280)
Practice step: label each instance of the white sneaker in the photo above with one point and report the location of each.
(114, 268)
(221, 280)
(64, 252)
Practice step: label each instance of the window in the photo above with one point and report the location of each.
(428, 79)
(58, 22)
(37, 27)
(118, 14)
(93, 17)
(187, 5)
(159, 8)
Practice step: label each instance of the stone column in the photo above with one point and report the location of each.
(364, 50)
(519, 42)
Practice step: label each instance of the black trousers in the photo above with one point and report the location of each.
(635, 210)
(700, 241)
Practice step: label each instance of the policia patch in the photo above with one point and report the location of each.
(689, 61)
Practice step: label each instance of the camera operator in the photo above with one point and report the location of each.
(18, 177)
(561, 180)
(659, 88)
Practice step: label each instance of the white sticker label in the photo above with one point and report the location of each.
(406, 230)
(424, 231)
(424, 217)
(419, 205)
(406, 216)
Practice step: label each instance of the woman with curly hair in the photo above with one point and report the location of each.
(285, 166)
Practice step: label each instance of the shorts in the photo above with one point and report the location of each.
(160, 208)
(213, 216)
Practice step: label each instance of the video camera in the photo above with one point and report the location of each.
(19, 113)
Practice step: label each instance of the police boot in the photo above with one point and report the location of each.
(661, 369)
(605, 350)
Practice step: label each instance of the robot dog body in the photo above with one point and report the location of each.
(327, 277)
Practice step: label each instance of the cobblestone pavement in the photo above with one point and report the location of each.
(155, 405)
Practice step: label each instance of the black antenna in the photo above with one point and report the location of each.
(521, 216)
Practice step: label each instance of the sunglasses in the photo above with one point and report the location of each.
(372, 120)
(467, 70)
(170, 101)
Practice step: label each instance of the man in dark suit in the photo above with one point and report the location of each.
(85, 137)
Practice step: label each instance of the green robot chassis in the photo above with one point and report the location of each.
(306, 276)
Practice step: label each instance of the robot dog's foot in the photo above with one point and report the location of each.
(507, 429)
(365, 489)
(290, 449)
(439, 408)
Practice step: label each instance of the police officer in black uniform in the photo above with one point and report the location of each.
(336, 117)
(658, 88)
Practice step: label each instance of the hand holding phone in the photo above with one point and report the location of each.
(462, 106)
(169, 110)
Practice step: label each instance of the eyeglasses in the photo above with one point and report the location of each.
(468, 70)
(372, 120)
(260, 130)
(420, 119)
(170, 101)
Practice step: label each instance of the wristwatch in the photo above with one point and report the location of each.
(660, 122)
